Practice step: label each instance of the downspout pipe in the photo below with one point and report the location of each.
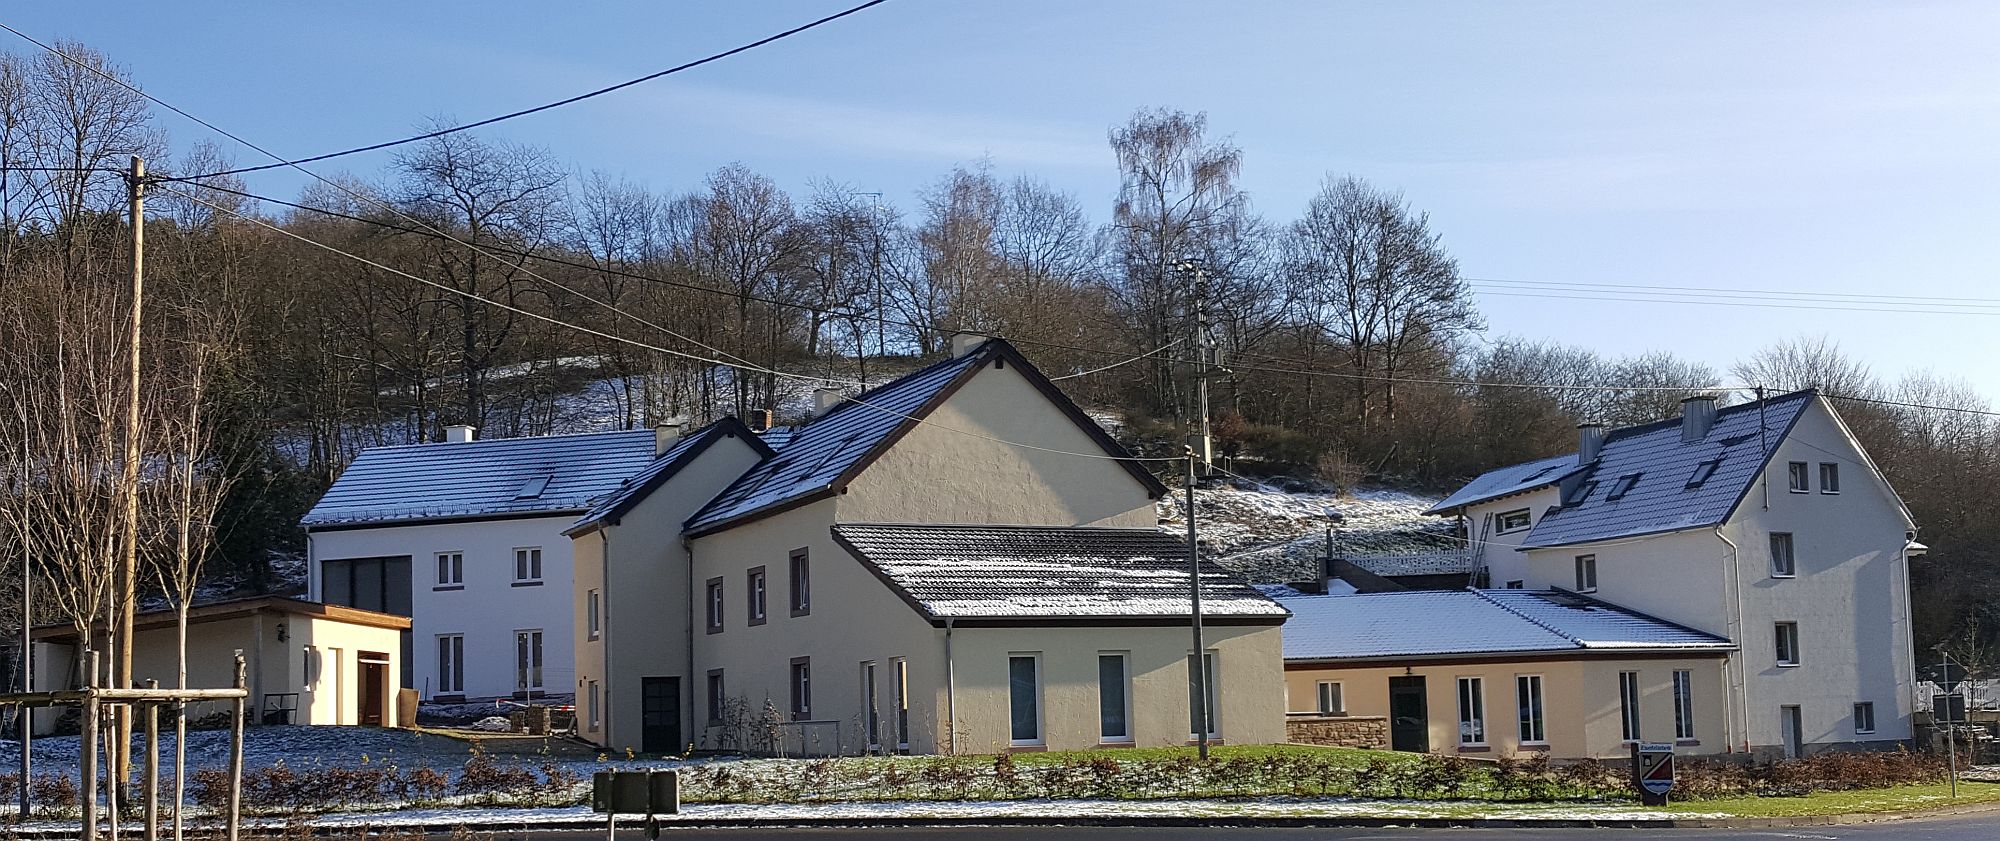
(950, 691)
(1738, 699)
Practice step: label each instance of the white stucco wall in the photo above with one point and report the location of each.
(488, 610)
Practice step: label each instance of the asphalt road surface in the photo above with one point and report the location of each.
(1977, 828)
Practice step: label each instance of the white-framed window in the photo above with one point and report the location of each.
(718, 698)
(451, 664)
(1864, 717)
(528, 660)
(1330, 700)
(1829, 477)
(310, 667)
(802, 688)
(871, 713)
(450, 569)
(1586, 573)
(1783, 563)
(754, 586)
(1471, 711)
(1512, 521)
(801, 579)
(1683, 704)
(1208, 661)
(1533, 728)
(1796, 477)
(899, 678)
(596, 714)
(714, 602)
(1024, 699)
(527, 565)
(594, 614)
(1114, 698)
(1787, 638)
(1628, 705)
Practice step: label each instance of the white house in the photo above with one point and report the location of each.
(466, 538)
(1764, 524)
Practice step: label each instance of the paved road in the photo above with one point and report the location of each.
(1979, 828)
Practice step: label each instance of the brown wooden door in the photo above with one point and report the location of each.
(374, 688)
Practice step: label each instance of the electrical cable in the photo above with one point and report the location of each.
(1148, 354)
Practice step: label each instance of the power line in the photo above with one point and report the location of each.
(1789, 294)
(1147, 355)
(503, 117)
(1668, 300)
(636, 343)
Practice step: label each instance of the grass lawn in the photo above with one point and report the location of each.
(1867, 801)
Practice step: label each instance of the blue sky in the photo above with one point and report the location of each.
(1795, 147)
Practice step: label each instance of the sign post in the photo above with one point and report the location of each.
(1653, 771)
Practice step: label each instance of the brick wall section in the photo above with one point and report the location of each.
(1344, 731)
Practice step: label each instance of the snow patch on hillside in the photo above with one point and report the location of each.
(1276, 534)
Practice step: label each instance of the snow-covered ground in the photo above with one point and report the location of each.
(1275, 533)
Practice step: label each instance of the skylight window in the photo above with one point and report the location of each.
(1702, 471)
(1540, 473)
(1623, 486)
(1582, 492)
(532, 489)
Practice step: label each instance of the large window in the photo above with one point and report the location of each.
(594, 614)
(754, 587)
(718, 699)
(1024, 699)
(1114, 719)
(1586, 573)
(1783, 564)
(1787, 634)
(1471, 711)
(378, 584)
(1864, 717)
(527, 660)
(802, 694)
(1795, 475)
(1330, 700)
(899, 675)
(1528, 697)
(1829, 477)
(451, 664)
(1628, 705)
(801, 583)
(871, 714)
(1512, 521)
(450, 570)
(1207, 660)
(714, 601)
(1683, 704)
(528, 566)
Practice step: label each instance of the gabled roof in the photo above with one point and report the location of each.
(1054, 573)
(634, 489)
(1434, 624)
(823, 455)
(494, 478)
(1672, 484)
(1507, 481)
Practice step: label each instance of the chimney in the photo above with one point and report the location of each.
(964, 343)
(760, 420)
(1697, 416)
(459, 433)
(825, 398)
(1589, 440)
(664, 436)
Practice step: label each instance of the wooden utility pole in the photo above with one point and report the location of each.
(125, 596)
(1198, 676)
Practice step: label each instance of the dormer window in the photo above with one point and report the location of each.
(1623, 486)
(1511, 521)
(532, 489)
(1702, 471)
(1582, 492)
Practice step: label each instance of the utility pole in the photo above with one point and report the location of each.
(1199, 340)
(1198, 676)
(24, 716)
(125, 597)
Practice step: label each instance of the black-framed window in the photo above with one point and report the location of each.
(1509, 521)
(378, 584)
(802, 697)
(801, 583)
(1628, 705)
(714, 624)
(754, 588)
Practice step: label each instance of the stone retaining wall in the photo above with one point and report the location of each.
(1343, 731)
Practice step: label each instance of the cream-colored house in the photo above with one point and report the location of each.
(1762, 523)
(1484, 673)
(306, 662)
(959, 560)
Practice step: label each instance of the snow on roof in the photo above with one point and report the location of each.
(683, 452)
(1467, 622)
(474, 479)
(1509, 480)
(1067, 572)
(1646, 480)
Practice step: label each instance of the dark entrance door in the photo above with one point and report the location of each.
(1409, 715)
(660, 709)
(374, 688)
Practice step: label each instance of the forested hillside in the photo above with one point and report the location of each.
(476, 280)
